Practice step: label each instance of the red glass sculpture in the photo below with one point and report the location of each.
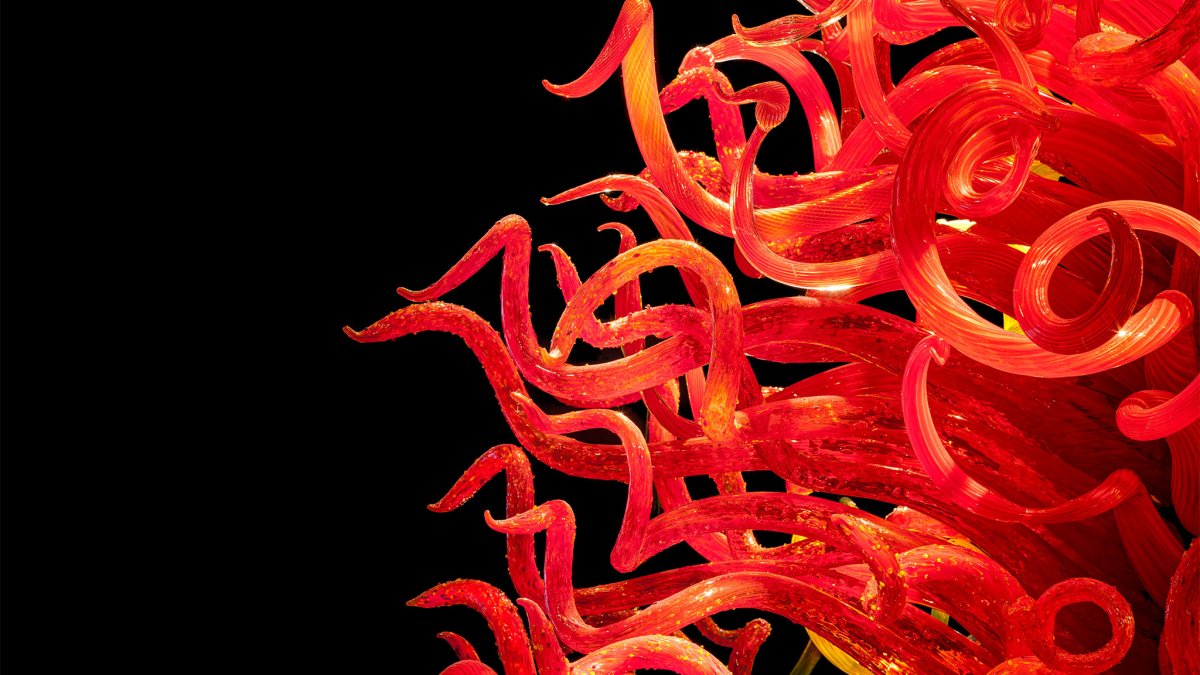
(1050, 169)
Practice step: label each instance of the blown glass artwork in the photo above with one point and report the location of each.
(1048, 168)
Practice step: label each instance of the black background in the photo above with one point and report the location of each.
(394, 140)
(200, 469)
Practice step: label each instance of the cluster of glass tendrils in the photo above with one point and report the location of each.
(1048, 168)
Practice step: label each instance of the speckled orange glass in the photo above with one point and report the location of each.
(1050, 169)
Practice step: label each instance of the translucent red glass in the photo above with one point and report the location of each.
(1050, 169)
